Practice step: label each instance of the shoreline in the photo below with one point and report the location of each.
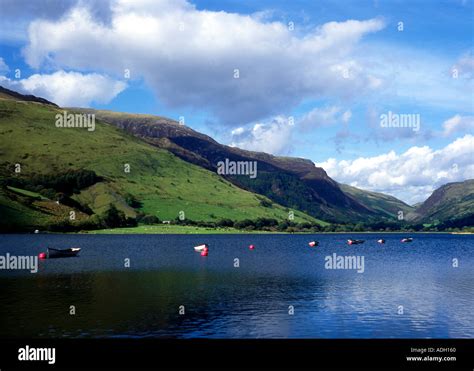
(202, 230)
(184, 230)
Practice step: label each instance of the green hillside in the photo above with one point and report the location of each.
(386, 205)
(451, 202)
(294, 182)
(160, 183)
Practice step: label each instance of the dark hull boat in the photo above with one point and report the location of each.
(354, 242)
(62, 253)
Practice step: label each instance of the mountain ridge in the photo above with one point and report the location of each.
(294, 183)
(318, 194)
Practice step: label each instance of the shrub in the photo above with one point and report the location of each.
(114, 218)
(148, 219)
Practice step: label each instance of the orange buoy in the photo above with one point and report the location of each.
(251, 247)
(42, 255)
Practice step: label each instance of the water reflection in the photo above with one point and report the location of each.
(253, 300)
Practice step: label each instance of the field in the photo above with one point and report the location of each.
(173, 229)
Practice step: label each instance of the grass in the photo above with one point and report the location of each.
(385, 204)
(14, 213)
(163, 183)
(172, 229)
(24, 192)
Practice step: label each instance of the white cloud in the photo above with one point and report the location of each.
(458, 123)
(188, 56)
(410, 176)
(276, 135)
(16, 15)
(3, 66)
(272, 137)
(238, 131)
(68, 88)
(321, 116)
(346, 116)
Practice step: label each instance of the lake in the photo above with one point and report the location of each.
(281, 289)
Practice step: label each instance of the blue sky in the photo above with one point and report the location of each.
(314, 76)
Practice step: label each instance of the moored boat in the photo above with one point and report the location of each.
(354, 242)
(62, 253)
(313, 243)
(381, 240)
(407, 239)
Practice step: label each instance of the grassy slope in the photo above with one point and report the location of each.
(450, 201)
(164, 183)
(380, 202)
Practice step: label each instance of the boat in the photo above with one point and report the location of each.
(354, 242)
(381, 240)
(62, 253)
(313, 243)
(201, 248)
(407, 239)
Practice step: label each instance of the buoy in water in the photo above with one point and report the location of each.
(313, 243)
(42, 255)
(205, 252)
(251, 247)
(201, 248)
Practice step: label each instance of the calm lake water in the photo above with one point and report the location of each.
(251, 301)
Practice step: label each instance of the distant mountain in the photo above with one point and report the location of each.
(379, 202)
(86, 171)
(451, 202)
(292, 182)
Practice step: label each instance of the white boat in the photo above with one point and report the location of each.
(201, 247)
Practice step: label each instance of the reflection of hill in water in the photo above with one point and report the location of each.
(140, 303)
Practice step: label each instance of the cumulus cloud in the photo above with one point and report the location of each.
(190, 56)
(276, 135)
(273, 137)
(68, 88)
(458, 123)
(324, 116)
(410, 176)
(16, 15)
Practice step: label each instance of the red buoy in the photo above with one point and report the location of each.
(205, 251)
(251, 247)
(42, 255)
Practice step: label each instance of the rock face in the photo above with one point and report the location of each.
(293, 182)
